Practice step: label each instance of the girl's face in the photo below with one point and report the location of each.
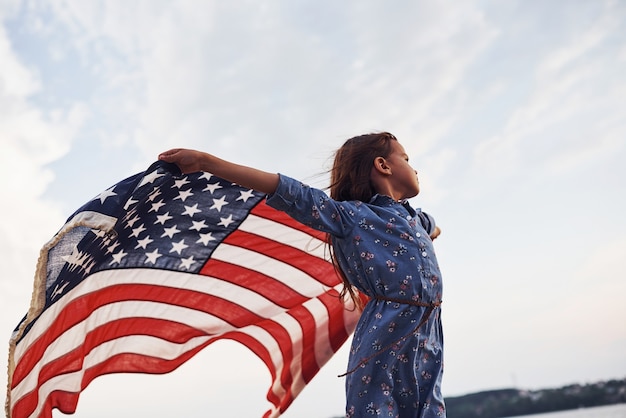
(403, 179)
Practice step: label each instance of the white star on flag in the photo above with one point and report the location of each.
(178, 247)
(218, 203)
(225, 222)
(170, 232)
(152, 257)
(212, 187)
(206, 238)
(161, 219)
(183, 195)
(150, 178)
(106, 194)
(191, 210)
(246, 195)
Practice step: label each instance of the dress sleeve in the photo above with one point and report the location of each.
(427, 221)
(313, 207)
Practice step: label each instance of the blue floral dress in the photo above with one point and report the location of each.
(396, 358)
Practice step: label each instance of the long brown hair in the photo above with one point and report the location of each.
(350, 179)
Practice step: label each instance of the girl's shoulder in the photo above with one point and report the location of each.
(315, 208)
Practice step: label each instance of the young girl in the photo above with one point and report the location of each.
(383, 247)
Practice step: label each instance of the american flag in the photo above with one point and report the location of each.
(159, 266)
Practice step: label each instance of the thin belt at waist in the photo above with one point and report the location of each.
(409, 301)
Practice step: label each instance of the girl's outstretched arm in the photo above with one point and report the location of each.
(190, 161)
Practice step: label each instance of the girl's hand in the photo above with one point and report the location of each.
(435, 233)
(189, 161)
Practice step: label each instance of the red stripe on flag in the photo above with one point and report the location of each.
(265, 211)
(286, 349)
(80, 308)
(336, 322)
(322, 270)
(167, 330)
(307, 322)
(266, 286)
(122, 363)
(131, 362)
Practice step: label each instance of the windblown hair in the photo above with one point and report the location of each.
(350, 179)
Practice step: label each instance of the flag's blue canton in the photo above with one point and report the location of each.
(163, 220)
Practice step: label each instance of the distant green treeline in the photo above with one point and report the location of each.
(511, 402)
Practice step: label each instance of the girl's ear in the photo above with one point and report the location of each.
(381, 166)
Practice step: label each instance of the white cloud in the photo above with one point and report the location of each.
(569, 85)
(262, 75)
(31, 138)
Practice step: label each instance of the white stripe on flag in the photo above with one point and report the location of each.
(292, 277)
(142, 344)
(187, 281)
(71, 339)
(285, 235)
(74, 337)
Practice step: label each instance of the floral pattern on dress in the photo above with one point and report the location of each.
(385, 250)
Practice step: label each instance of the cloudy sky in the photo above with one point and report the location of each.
(513, 112)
